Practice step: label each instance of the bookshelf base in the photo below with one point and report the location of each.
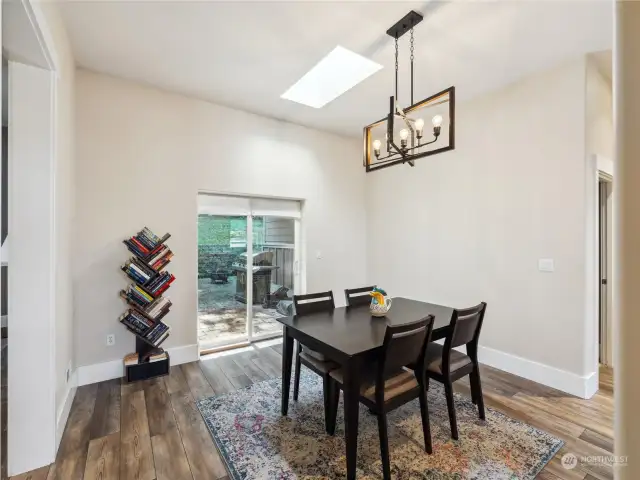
(147, 370)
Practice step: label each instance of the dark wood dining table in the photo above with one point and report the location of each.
(351, 336)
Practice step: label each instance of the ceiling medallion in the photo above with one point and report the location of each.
(403, 129)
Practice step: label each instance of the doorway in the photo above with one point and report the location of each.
(248, 268)
(605, 262)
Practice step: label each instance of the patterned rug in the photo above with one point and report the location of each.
(257, 443)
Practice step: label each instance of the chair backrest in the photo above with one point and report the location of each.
(313, 302)
(358, 296)
(464, 329)
(405, 344)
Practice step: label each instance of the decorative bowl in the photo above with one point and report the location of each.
(378, 310)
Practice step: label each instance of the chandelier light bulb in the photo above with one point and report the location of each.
(404, 134)
(419, 124)
(437, 120)
(376, 147)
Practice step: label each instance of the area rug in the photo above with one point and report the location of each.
(257, 443)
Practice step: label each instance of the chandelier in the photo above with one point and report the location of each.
(402, 132)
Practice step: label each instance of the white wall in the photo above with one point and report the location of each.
(142, 156)
(470, 225)
(31, 419)
(64, 211)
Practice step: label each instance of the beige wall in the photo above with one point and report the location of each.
(600, 137)
(142, 157)
(470, 225)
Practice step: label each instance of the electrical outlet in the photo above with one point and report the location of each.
(111, 340)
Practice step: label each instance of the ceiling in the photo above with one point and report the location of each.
(245, 55)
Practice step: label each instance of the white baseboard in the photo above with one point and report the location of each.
(100, 372)
(65, 408)
(580, 386)
(592, 384)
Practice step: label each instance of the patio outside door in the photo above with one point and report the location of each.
(247, 268)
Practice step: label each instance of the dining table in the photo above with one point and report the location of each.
(351, 337)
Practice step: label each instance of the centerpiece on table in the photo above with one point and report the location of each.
(380, 302)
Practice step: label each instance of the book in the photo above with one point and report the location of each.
(143, 248)
(133, 248)
(156, 331)
(164, 250)
(143, 267)
(131, 359)
(162, 338)
(149, 234)
(162, 262)
(139, 290)
(158, 357)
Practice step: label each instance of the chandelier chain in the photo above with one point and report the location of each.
(411, 58)
(396, 70)
(411, 41)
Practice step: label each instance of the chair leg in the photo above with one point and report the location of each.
(328, 412)
(334, 400)
(426, 427)
(476, 386)
(472, 385)
(448, 390)
(384, 445)
(296, 381)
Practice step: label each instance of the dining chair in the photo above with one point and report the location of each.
(386, 384)
(315, 361)
(446, 365)
(356, 297)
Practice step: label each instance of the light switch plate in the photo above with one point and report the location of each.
(546, 265)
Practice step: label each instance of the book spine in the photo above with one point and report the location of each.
(143, 248)
(145, 268)
(149, 244)
(135, 276)
(152, 236)
(158, 333)
(165, 286)
(134, 249)
(139, 271)
(161, 253)
(142, 293)
(162, 338)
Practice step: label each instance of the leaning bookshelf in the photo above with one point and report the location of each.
(147, 305)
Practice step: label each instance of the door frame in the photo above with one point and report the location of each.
(299, 268)
(596, 166)
(605, 185)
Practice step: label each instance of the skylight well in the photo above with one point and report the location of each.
(332, 76)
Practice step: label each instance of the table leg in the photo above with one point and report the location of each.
(351, 388)
(287, 357)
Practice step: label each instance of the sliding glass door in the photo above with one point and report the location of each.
(274, 278)
(247, 268)
(222, 311)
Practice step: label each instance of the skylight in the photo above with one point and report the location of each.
(336, 73)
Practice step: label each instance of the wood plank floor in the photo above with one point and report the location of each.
(153, 429)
